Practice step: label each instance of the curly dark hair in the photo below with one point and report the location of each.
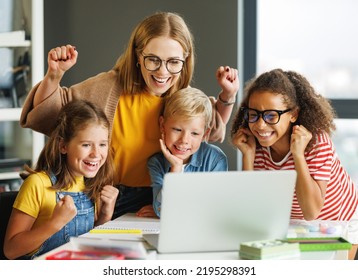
(315, 112)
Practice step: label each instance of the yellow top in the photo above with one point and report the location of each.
(37, 198)
(135, 137)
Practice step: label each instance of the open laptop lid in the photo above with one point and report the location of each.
(216, 211)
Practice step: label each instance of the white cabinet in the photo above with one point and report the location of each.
(27, 143)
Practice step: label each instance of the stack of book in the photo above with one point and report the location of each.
(269, 249)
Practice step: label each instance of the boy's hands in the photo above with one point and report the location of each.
(175, 162)
(147, 211)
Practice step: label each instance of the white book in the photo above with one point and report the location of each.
(129, 224)
(130, 249)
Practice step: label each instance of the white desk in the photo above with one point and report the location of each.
(153, 255)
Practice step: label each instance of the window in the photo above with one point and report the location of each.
(316, 38)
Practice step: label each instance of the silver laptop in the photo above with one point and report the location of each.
(216, 211)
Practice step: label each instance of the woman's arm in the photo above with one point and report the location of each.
(228, 80)
(46, 98)
(59, 60)
(223, 105)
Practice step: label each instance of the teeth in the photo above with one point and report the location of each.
(182, 149)
(160, 80)
(91, 163)
(266, 134)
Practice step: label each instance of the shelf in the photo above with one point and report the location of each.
(9, 175)
(34, 9)
(10, 114)
(15, 45)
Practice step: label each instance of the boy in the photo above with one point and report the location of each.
(184, 125)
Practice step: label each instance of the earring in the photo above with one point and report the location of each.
(137, 64)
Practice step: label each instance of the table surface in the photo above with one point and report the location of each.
(296, 229)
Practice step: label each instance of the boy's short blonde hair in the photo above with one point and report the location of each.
(188, 103)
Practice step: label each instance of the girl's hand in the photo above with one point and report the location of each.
(245, 141)
(60, 59)
(175, 162)
(65, 210)
(108, 198)
(228, 80)
(299, 140)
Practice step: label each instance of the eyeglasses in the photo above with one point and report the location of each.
(269, 116)
(153, 63)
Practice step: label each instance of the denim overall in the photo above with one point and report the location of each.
(80, 224)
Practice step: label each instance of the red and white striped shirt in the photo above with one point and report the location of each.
(341, 198)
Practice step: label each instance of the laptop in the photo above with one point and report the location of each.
(216, 211)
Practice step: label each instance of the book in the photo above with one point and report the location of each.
(129, 249)
(85, 255)
(129, 224)
(269, 249)
(321, 243)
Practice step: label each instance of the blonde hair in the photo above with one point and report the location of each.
(188, 103)
(159, 24)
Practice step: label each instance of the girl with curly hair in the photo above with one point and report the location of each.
(283, 124)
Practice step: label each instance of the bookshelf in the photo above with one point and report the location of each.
(36, 49)
(25, 43)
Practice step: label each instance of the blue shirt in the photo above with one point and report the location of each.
(207, 158)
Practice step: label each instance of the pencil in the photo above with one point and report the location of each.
(123, 231)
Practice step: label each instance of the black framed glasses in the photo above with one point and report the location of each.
(153, 63)
(269, 116)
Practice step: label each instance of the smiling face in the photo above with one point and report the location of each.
(276, 136)
(158, 82)
(87, 151)
(183, 136)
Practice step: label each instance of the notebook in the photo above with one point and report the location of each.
(216, 211)
(129, 223)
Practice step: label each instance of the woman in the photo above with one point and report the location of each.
(159, 60)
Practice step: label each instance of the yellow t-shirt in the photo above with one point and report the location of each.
(37, 198)
(135, 137)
